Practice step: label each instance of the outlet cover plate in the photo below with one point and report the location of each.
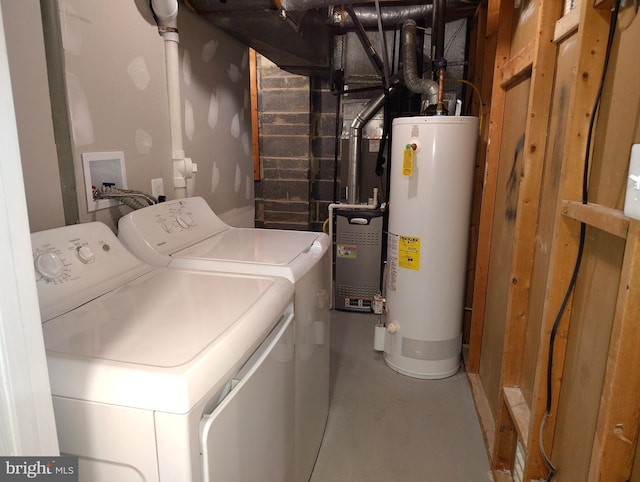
(157, 187)
(632, 199)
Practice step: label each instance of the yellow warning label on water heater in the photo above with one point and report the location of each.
(407, 161)
(409, 252)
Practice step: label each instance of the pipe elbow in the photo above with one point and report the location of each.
(412, 80)
(166, 13)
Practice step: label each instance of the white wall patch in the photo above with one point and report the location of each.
(215, 177)
(72, 28)
(214, 109)
(235, 126)
(186, 68)
(234, 73)
(82, 125)
(238, 177)
(139, 73)
(209, 50)
(189, 122)
(247, 99)
(246, 145)
(247, 190)
(245, 60)
(144, 142)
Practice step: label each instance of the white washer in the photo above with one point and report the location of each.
(164, 375)
(186, 233)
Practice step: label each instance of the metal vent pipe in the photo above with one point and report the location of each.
(410, 65)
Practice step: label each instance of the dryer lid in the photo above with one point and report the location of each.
(245, 245)
(162, 320)
(163, 340)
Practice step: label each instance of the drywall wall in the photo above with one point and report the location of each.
(25, 49)
(114, 90)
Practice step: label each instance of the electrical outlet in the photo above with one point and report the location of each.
(157, 187)
(632, 199)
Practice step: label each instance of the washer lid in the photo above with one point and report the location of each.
(163, 340)
(247, 245)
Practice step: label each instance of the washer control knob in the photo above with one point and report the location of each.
(49, 266)
(184, 221)
(85, 254)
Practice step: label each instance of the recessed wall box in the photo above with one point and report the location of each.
(103, 169)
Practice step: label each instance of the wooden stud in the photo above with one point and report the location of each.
(610, 220)
(487, 422)
(255, 131)
(519, 65)
(618, 423)
(538, 57)
(506, 437)
(567, 25)
(520, 413)
(592, 41)
(499, 20)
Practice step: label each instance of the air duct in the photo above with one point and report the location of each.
(410, 65)
(355, 139)
(297, 35)
(393, 16)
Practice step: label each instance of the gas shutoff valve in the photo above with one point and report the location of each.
(379, 304)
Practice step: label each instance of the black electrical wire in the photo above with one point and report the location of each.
(583, 228)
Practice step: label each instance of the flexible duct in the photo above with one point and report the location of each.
(390, 16)
(410, 65)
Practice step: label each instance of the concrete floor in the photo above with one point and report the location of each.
(387, 427)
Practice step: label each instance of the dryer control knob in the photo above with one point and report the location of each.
(85, 254)
(49, 266)
(184, 221)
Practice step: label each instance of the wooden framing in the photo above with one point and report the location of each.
(537, 58)
(518, 414)
(618, 421)
(606, 219)
(255, 129)
(592, 40)
(497, 14)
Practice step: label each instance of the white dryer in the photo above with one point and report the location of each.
(186, 233)
(164, 375)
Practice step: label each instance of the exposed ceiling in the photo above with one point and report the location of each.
(297, 35)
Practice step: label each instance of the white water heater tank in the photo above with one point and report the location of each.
(432, 168)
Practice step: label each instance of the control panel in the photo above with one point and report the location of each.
(163, 229)
(74, 264)
(53, 264)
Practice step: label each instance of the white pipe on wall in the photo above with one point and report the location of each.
(166, 13)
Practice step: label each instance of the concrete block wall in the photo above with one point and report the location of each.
(323, 148)
(297, 144)
(282, 193)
